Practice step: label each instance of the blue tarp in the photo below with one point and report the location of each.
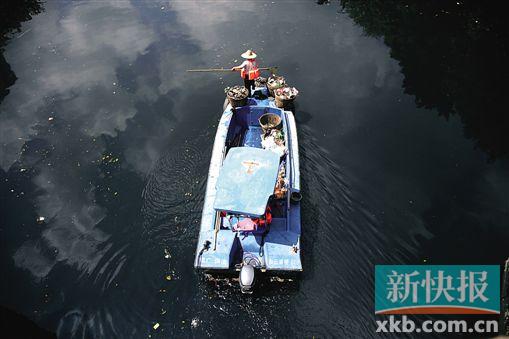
(246, 181)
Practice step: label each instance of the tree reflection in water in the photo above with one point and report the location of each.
(453, 55)
(12, 14)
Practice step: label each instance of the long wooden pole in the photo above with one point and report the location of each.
(228, 69)
(210, 70)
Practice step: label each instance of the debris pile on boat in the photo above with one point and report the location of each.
(237, 95)
(281, 184)
(285, 96)
(287, 93)
(260, 82)
(236, 92)
(274, 82)
(274, 140)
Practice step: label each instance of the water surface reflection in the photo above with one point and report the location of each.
(106, 136)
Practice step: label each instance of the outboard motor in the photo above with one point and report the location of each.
(247, 278)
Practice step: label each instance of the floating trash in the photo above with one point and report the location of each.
(156, 326)
(194, 322)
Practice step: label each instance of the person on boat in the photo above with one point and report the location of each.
(248, 70)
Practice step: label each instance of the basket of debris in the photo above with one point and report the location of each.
(274, 82)
(270, 121)
(261, 82)
(236, 95)
(285, 96)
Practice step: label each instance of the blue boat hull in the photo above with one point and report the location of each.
(278, 250)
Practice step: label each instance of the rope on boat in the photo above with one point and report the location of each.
(206, 247)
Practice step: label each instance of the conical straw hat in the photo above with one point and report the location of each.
(249, 54)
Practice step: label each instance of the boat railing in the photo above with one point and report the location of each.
(289, 170)
(217, 219)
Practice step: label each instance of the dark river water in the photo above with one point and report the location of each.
(403, 133)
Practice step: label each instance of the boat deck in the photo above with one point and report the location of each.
(253, 137)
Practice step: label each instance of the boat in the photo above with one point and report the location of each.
(251, 221)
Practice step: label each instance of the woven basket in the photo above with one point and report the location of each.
(282, 101)
(271, 86)
(237, 102)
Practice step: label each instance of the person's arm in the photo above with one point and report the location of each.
(241, 66)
